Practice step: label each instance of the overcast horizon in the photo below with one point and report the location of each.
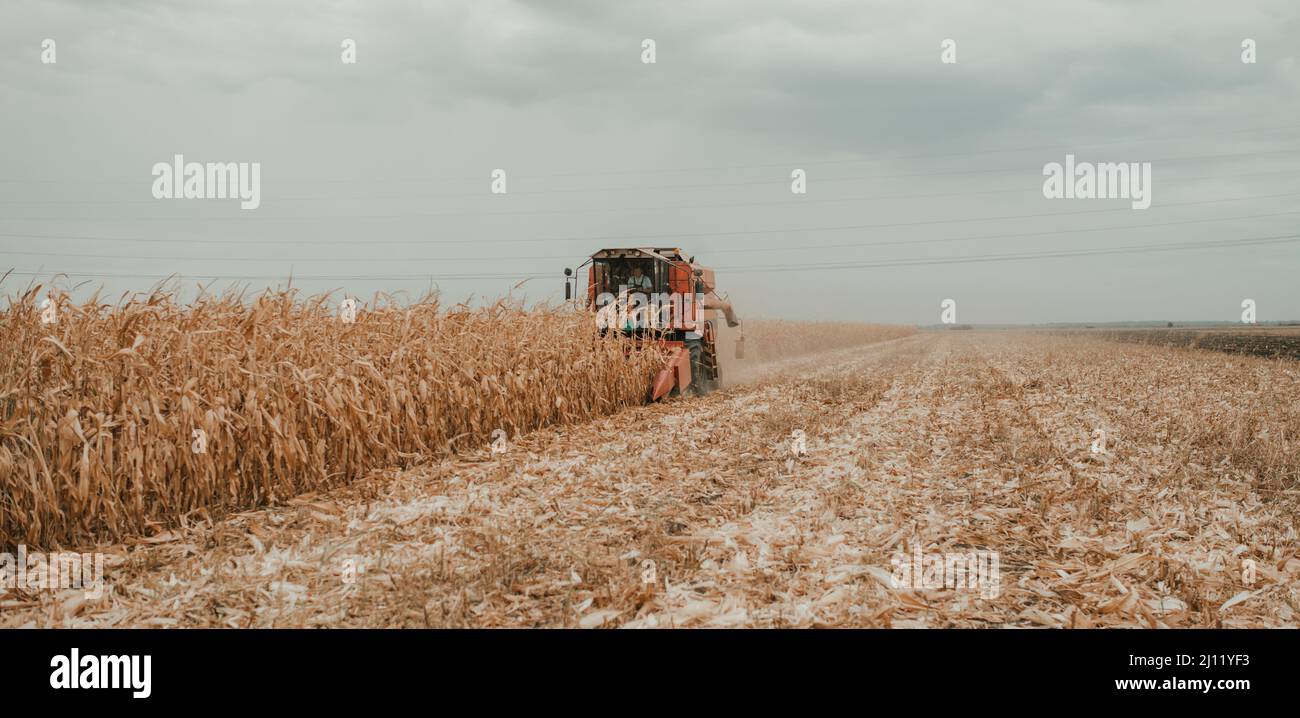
(924, 178)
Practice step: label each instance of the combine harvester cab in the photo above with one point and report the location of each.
(658, 295)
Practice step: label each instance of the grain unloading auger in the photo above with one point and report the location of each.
(656, 294)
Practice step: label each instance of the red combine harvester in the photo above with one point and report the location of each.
(657, 294)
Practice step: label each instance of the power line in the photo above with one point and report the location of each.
(746, 250)
(589, 190)
(424, 196)
(580, 210)
(884, 225)
(665, 235)
(904, 242)
(969, 259)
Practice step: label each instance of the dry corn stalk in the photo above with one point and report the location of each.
(116, 419)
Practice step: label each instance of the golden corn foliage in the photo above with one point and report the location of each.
(99, 409)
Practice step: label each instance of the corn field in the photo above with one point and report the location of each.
(1121, 485)
(121, 419)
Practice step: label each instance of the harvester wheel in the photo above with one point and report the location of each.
(698, 382)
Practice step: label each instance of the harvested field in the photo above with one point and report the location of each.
(773, 339)
(698, 512)
(1255, 341)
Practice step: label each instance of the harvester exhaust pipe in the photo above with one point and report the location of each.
(568, 288)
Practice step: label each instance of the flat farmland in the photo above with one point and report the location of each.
(1121, 484)
(1279, 341)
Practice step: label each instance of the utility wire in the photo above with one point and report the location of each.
(746, 250)
(745, 269)
(604, 237)
(971, 259)
(588, 190)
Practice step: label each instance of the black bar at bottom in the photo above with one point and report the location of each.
(333, 668)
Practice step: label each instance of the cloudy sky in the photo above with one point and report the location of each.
(924, 179)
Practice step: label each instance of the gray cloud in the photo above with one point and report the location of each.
(599, 145)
